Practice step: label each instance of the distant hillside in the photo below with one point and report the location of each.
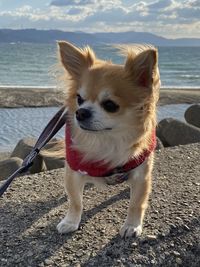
(131, 37)
(145, 37)
(49, 36)
(44, 36)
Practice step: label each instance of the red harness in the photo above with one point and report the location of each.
(99, 168)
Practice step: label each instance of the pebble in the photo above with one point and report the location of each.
(151, 237)
(48, 262)
(173, 226)
(30, 254)
(162, 235)
(79, 253)
(176, 253)
(179, 261)
(186, 227)
(134, 244)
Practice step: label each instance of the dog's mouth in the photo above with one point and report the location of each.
(93, 129)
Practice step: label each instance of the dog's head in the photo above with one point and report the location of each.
(106, 97)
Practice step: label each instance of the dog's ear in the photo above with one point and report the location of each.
(75, 60)
(142, 67)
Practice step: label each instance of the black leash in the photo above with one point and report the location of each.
(55, 124)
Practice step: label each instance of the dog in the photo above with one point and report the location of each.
(110, 129)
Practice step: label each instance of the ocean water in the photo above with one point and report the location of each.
(33, 64)
(18, 123)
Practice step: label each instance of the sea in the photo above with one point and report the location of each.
(27, 64)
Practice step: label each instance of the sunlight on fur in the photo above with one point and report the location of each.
(111, 122)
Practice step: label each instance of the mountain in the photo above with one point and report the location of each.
(131, 37)
(81, 38)
(44, 36)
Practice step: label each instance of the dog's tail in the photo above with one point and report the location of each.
(56, 148)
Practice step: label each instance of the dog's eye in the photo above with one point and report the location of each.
(110, 106)
(80, 100)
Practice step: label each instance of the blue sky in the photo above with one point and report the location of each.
(168, 18)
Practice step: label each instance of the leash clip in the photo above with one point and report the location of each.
(28, 161)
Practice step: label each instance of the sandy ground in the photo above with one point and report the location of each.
(30, 97)
(12, 97)
(32, 207)
(174, 96)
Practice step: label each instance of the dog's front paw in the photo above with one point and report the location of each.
(129, 230)
(66, 227)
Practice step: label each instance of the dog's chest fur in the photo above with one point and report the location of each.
(112, 149)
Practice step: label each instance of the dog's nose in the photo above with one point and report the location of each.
(83, 114)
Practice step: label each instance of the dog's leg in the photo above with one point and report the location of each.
(140, 188)
(74, 185)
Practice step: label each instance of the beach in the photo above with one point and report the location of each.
(34, 205)
(179, 96)
(30, 96)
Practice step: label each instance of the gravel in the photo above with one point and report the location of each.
(34, 204)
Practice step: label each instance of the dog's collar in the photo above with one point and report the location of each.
(99, 168)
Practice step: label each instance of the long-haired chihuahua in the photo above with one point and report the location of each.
(110, 130)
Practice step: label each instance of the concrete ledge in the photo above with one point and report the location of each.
(30, 96)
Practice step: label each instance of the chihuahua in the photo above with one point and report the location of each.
(110, 129)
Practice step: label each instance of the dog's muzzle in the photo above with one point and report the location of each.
(83, 114)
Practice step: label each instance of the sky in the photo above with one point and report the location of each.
(167, 18)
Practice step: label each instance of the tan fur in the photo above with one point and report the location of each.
(134, 86)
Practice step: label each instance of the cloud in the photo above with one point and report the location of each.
(108, 15)
(75, 11)
(182, 11)
(159, 5)
(52, 13)
(71, 3)
(102, 4)
(158, 16)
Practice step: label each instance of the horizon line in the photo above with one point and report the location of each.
(98, 32)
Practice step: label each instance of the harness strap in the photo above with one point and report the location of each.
(100, 168)
(135, 162)
(55, 124)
